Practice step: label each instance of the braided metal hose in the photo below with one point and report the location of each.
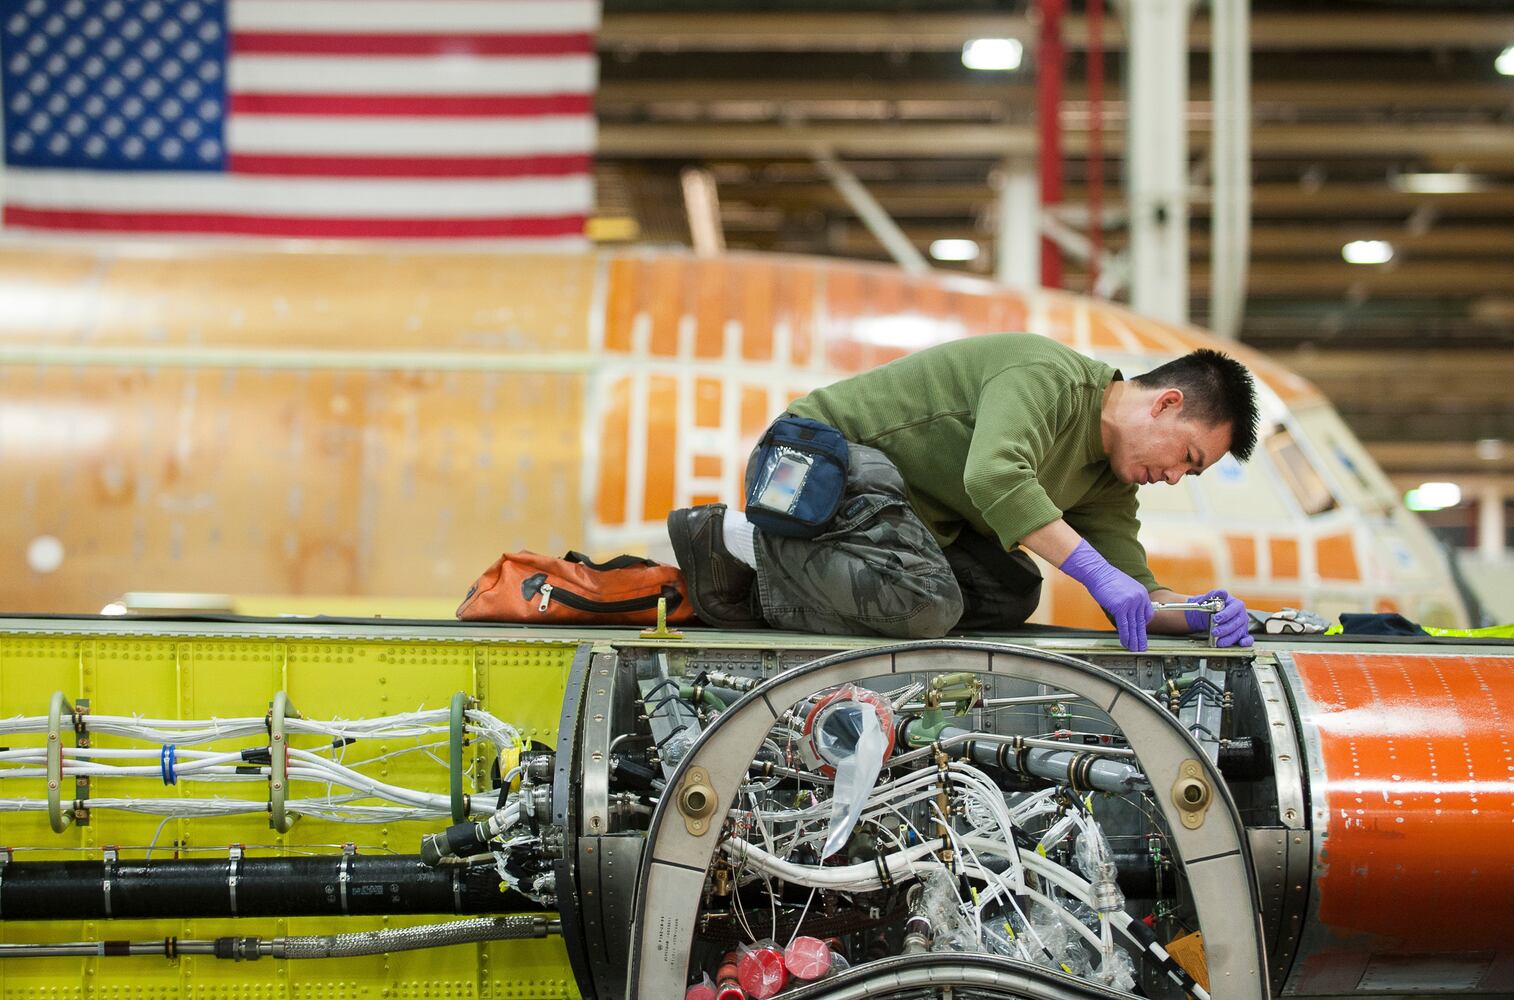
(412, 938)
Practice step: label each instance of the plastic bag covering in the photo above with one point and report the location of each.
(702, 990)
(760, 970)
(1117, 971)
(1096, 861)
(942, 906)
(849, 735)
(807, 958)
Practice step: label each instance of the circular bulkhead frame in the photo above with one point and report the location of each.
(1211, 845)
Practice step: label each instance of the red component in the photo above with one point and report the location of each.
(807, 958)
(849, 693)
(701, 991)
(727, 977)
(761, 972)
(1050, 59)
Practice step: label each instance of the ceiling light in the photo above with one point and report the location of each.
(993, 53)
(1367, 252)
(1505, 61)
(1433, 496)
(954, 250)
(1456, 183)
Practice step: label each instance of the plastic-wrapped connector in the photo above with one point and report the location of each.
(1096, 860)
(807, 958)
(941, 906)
(1117, 971)
(760, 970)
(702, 990)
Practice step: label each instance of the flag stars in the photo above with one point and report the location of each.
(91, 81)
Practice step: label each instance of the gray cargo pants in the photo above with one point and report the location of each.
(878, 571)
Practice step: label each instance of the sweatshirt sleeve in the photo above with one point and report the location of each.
(1107, 519)
(1018, 417)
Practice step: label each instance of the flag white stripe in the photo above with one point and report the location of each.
(82, 190)
(439, 75)
(406, 136)
(435, 16)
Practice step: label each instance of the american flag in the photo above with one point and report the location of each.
(468, 119)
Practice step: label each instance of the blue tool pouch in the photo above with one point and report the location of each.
(796, 478)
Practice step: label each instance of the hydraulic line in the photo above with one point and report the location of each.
(331, 885)
(1084, 768)
(244, 949)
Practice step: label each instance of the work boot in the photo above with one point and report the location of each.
(722, 587)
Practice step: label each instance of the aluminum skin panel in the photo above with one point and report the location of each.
(1411, 773)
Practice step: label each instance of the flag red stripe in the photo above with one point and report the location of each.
(285, 165)
(414, 105)
(290, 43)
(294, 226)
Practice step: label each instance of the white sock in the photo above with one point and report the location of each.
(740, 537)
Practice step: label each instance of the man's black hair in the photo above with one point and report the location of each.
(1217, 389)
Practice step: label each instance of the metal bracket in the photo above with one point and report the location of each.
(58, 817)
(81, 783)
(696, 801)
(1192, 794)
(661, 631)
(278, 759)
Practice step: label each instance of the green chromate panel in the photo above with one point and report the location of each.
(175, 677)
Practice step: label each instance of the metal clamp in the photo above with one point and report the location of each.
(110, 856)
(455, 743)
(234, 853)
(344, 873)
(278, 760)
(58, 817)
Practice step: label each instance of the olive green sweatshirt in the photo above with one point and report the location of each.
(998, 433)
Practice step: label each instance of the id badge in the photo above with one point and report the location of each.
(784, 482)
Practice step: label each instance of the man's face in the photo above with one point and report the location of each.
(1157, 444)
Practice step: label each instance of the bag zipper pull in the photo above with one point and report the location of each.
(546, 597)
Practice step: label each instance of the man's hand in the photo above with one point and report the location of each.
(1231, 626)
(1126, 600)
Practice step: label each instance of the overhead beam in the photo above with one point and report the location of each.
(1272, 199)
(1266, 240)
(903, 140)
(799, 31)
(1016, 92)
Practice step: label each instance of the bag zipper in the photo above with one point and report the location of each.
(579, 603)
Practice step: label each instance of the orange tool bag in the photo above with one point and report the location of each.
(574, 590)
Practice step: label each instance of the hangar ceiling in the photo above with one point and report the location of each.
(1352, 101)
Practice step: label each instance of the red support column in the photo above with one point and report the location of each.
(1050, 59)
(1095, 139)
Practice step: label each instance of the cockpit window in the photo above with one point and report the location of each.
(1308, 487)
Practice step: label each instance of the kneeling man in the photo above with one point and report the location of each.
(961, 457)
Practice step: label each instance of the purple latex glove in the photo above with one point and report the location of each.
(1232, 625)
(1126, 600)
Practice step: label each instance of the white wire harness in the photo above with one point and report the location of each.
(325, 786)
(1024, 872)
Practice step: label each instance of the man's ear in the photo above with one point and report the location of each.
(1167, 399)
